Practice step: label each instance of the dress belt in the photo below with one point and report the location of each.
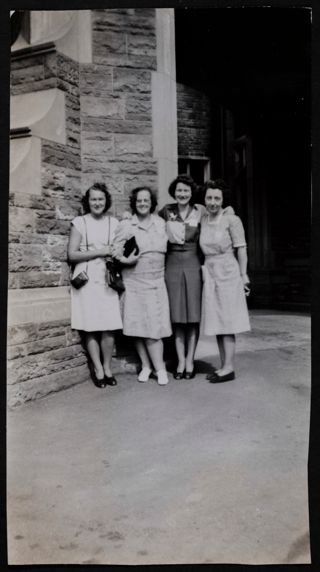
(187, 246)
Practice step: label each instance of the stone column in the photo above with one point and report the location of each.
(164, 104)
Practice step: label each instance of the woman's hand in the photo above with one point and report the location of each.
(105, 251)
(246, 284)
(129, 260)
(126, 215)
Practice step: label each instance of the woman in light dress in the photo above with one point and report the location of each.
(145, 305)
(95, 308)
(224, 307)
(183, 270)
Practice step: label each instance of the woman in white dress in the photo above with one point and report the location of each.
(224, 308)
(95, 308)
(145, 302)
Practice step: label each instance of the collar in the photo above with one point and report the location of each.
(135, 221)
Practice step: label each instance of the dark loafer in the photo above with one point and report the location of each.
(215, 378)
(189, 374)
(110, 380)
(178, 374)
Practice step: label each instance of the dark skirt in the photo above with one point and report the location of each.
(184, 284)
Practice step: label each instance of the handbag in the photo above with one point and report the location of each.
(113, 272)
(82, 278)
(113, 275)
(130, 246)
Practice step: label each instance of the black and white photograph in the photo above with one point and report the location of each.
(159, 287)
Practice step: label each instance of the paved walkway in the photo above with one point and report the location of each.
(188, 473)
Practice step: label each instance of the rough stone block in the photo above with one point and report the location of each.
(34, 279)
(35, 347)
(28, 74)
(43, 386)
(96, 79)
(53, 226)
(133, 144)
(30, 86)
(96, 125)
(22, 218)
(113, 107)
(24, 257)
(61, 155)
(142, 44)
(130, 80)
(93, 146)
(108, 42)
(138, 107)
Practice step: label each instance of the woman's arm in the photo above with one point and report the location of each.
(122, 234)
(243, 262)
(74, 254)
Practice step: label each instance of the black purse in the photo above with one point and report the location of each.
(113, 275)
(82, 278)
(113, 272)
(130, 246)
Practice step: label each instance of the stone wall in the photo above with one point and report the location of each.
(103, 129)
(195, 122)
(116, 102)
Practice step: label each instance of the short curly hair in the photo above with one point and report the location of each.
(133, 199)
(216, 184)
(96, 187)
(186, 180)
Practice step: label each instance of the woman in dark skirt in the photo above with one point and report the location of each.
(183, 270)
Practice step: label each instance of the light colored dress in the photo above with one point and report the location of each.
(224, 307)
(95, 306)
(144, 303)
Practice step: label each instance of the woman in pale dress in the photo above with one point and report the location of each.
(95, 308)
(226, 283)
(145, 305)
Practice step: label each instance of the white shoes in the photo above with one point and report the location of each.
(144, 374)
(162, 377)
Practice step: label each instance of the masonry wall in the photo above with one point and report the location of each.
(107, 113)
(116, 102)
(195, 122)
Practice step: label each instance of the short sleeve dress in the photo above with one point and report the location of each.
(183, 263)
(224, 306)
(144, 303)
(95, 306)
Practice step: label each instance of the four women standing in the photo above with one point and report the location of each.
(145, 303)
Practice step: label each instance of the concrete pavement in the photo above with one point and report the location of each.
(188, 473)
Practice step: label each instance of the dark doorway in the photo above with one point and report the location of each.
(254, 66)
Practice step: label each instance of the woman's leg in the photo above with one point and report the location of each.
(229, 346)
(192, 335)
(155, 349)
(220, 343)
(107, 345)
(180, 343)
(93, 347)
(142, 353)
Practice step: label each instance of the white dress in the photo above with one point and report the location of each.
(145, 303)
(95, 306)
(224, 307)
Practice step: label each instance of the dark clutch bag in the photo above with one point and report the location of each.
(130, 246)
(113, 275)
(80, 280)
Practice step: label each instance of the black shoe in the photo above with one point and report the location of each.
(215, 378)
(178, 374)
(189, 374)
(110, 380)
(98, 382)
